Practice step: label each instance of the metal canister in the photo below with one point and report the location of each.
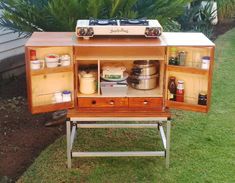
(182, 57)
(202, 98)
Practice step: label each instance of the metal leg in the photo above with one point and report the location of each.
(68, 133)
(168, 131)
(71, 130)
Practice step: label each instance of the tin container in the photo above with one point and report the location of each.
(202, 98)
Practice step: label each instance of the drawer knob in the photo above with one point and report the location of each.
(111, 102)
(145, 102)
(93, 102)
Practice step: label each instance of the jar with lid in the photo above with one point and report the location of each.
(87, 82)
(202, 98)
(182, 57)
(173, 59)
(205, 62)
(172, 88)
(32, 54)
(180, 91)
(66, 95)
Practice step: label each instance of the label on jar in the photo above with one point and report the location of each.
(170, 95)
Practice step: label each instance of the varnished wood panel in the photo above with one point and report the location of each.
(103, 102)
(52, 70)
(51, 39)
(107, 41)
(52, 107)
(145, 102)
(44, 87)
(91, 113)
(185, 69)
(186, 106)
(120, 53)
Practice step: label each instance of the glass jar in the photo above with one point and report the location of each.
(202, 98)
(180, 91)
(173, 60)
(172, 88)
(182, 57)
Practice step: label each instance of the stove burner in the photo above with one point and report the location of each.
(142, 22)
(102, 22)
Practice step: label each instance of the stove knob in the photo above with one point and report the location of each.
(158, 31)
(81, 32)
(90, 32)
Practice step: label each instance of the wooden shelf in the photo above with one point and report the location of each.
(118, 58)
(88, 95)
(185, 69)
(51, 107)
(157, 92)
(51, 70)
(186, 106)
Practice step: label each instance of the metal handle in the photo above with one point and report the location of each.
(111, 102)
(134, 81)
(145, 102)
(93, 102)
(136, 71)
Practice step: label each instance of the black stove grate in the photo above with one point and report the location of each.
(102, 22)
(142, 22)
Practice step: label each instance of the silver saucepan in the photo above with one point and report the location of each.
(144, 82)
(145, 67)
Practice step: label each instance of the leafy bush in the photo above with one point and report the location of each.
(198, 18)
(226, 9)
(27, 16)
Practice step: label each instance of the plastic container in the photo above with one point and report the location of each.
(205, 62)
(37, 64)
(65, 60)
(114, 88)
(52, 60)
(66, 95)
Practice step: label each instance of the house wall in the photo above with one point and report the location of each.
(11, 53)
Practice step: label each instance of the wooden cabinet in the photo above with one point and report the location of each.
(197, 79)
(44, 83)
(47, 82)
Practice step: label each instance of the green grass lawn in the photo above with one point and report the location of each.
(202, 145)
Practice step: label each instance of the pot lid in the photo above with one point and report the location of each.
(145, 77)
(145, 62)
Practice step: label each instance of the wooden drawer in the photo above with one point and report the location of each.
(146, 102)
(103, 102)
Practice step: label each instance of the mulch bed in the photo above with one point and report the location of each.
(22, 135)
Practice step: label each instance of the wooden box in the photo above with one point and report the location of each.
(44, 83)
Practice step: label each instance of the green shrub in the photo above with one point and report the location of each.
(27, 16)
(198, 18)
(226, 9)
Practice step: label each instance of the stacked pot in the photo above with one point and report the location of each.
(145, 74)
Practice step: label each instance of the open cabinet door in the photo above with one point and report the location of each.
(195, 73)
(50, 88)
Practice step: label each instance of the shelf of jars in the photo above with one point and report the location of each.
(189, 59)
(54, 98)
(46, 61)
(186, 90)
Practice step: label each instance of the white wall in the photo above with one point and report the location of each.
(10, 44)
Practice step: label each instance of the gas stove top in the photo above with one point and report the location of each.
(113, 27)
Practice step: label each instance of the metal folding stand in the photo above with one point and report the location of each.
(72, 125)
